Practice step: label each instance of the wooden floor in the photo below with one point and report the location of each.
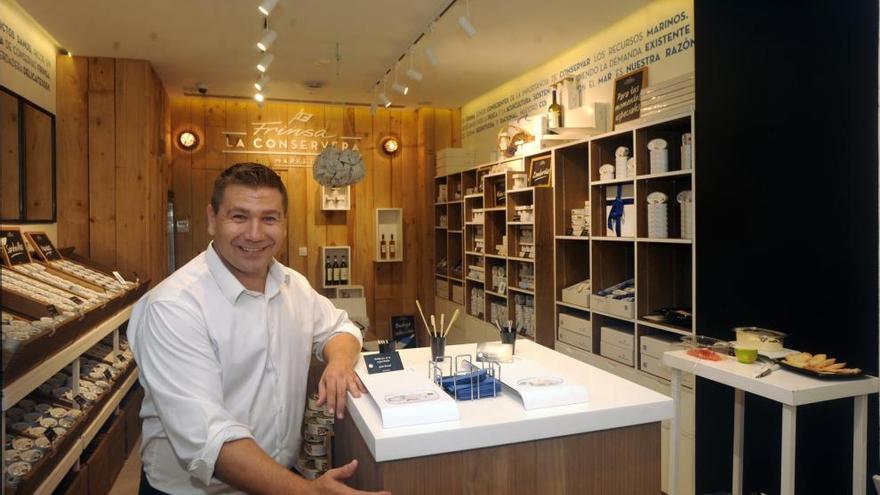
(129, 478)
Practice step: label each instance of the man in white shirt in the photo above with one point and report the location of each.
(223, 347)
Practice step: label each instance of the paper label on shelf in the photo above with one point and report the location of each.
(407, 398)
(52, 310)
(76, 300)
(539, 388)
(118, 277)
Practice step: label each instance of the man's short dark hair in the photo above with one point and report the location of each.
(247, 174)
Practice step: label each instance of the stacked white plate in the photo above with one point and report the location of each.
(659, 156)
(621, 156)
(686, 206)
(686, 151)
(606, 172)
(657, 215)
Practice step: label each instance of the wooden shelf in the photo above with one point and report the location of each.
(476, 280)
(441, 275)
(440, 228)
(474, 224)
(496, 256)
(495, 208)
(614, 239)
(527, 260)
(573, 238)
(521, 190)
(489, 292)
(613, 182)
(473, 196)
(521, 223)
(573, 306)
(667, 240)
(665, 327)
(673, 173)
(454, 279)
(524, 291)
(17, 390)
(454, 231)
(616, 317)
(473, 253)
(109, 408)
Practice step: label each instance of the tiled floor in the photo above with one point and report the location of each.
(129, 478)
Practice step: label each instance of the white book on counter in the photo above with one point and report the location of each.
(407, 398)
(538, 388)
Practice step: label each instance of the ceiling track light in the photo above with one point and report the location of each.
(259, 97)
(261, 83)
(267, 40)
(266, 7)
(432, 58)
(384, 99)
(465, 23)
(412, 73)
(265, 62)
(400, 88)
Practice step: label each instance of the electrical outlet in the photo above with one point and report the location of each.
(303, 251)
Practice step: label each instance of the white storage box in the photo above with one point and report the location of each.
(628, 221)
(442, 288)
(654, 365)
(618, 336)
(576, 339)
(656, 345)
(575, 324)
(614, 307)
(457, 294)
(623, 355)
(577, 294)
(572, 351)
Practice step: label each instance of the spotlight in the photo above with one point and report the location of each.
(373, 107)
(266, 7)
(414, 74)
(259, 97)
(384, 99)
(260, 85)
(466, 26)
(400, 88)
(429, 54)
(267, 40)
(263, 64)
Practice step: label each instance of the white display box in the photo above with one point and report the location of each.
(654, 365)
(628, 222)
(625, 355)
(575, 324)
(656, 345)
(576, 339)
(335, 198)
(457, 294)
(577, 294)
(442, 288)
(618, 336)
(389, 222)
(625, 309)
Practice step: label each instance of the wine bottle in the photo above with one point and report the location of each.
(383, 248)
(554, 113)
(392, 248)
(328, 272)
(335, 271)
(343, 272)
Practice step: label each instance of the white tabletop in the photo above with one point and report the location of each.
(613, 403)
(781, 385)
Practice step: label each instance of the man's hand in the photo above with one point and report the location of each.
(341, 353)
(338, 377)
(331, 481)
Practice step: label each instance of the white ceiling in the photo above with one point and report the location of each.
(213, 42)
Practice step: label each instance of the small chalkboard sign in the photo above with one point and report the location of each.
(403, 331)
(540, 171)
(628, 95)
(50, 434)
(52, 310)
(44, 245)
(108, 375)
(16, 251)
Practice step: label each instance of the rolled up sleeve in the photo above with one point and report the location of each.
(181, 372)
(330, 321)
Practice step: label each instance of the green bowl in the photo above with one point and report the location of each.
(747, 355)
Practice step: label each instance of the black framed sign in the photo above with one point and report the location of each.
(540, 171)
(13, 244)
(403, 331)
(628, 95)
(44, 245)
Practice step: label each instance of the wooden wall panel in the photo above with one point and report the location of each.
(72, 152)
(9, 156)
(38, 164)
(102, 160)
(404, 181)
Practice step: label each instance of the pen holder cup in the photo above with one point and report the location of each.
(509, 338)
(438, 348)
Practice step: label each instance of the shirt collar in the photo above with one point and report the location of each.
(232, 288)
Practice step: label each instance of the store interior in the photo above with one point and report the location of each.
(114, 129)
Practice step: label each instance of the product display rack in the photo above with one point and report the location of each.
(449, 237)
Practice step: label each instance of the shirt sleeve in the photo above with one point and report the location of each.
(330, 321)
(180, 371)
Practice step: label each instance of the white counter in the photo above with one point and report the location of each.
(613, 403)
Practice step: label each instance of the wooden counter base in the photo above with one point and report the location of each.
(617, 461)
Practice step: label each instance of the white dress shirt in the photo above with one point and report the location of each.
(219, 362)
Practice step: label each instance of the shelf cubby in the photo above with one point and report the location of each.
(495, 189)
(613, 262)
(664, 280)
(572, 184)
(602, 195)
(602, 151)
(671, 131)
(671, 187)
(572, 264)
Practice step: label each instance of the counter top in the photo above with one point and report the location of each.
(613, 403)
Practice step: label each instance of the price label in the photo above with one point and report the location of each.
(76, 300)
(80, 400)
(51, 435)
(118, 277)
(108, 375)
(52, 310)
(120, 357)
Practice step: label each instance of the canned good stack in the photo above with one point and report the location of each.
(317, 425)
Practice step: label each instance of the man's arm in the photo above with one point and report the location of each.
(340, 353)
(244, 465)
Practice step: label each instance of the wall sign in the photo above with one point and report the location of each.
(27, 57)
(15, 248)
(403, 331)
(540, 171)
(293, 140)
(628, 95)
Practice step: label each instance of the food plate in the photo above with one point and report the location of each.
(818, 374)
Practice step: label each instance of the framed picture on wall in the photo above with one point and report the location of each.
(540, 171)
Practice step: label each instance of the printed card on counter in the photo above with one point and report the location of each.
(407, 398)
(539, 388)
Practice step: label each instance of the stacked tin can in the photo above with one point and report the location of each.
(317, 425)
